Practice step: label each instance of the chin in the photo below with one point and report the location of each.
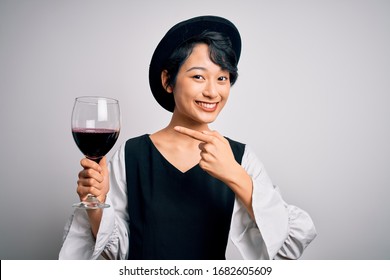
(208, 120)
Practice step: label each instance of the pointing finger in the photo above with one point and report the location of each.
(194, 134)
(216, 134)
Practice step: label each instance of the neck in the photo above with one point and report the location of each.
(175, 136)
(188, 123)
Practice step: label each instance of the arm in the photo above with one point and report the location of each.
(111, 239)
(279, 230)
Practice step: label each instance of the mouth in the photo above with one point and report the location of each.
(207, 106)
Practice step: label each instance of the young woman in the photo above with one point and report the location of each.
(187, 192)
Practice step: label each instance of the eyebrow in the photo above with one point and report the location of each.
(196, 68)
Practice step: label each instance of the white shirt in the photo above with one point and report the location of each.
(281, 231)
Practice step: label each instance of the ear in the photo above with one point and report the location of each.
(165, 81)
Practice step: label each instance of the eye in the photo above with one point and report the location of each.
(198, 77)
(223, 78)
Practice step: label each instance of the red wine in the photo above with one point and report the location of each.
(95, 143)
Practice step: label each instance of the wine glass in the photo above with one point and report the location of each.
(95, 129)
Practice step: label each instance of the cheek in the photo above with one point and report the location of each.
(185, 93)
(181, 97)
(225, 92)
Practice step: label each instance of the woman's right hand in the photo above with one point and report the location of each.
(93, 179)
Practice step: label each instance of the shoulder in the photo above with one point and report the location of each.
(136, 152)
(249, 158)
(137, 146)
(137, 141)
(238, 149)
(235, 142)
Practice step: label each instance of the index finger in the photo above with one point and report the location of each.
(87, 163)
(193, 134)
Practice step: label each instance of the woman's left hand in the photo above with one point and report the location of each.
(217, 157)
(218, 160)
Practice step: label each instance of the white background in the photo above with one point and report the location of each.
(312, 100)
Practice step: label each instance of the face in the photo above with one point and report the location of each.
(201, 89)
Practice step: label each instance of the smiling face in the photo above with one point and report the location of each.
(201, 88)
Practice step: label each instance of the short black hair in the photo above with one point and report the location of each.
(221, 53)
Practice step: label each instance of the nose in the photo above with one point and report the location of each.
(210, 90)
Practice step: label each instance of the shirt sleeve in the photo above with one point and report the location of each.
(112, 238)
(280, 231)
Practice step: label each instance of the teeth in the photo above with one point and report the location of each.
(207, 105)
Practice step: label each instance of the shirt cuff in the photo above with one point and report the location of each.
(106, 229)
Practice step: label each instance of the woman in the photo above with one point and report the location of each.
(186, 192)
